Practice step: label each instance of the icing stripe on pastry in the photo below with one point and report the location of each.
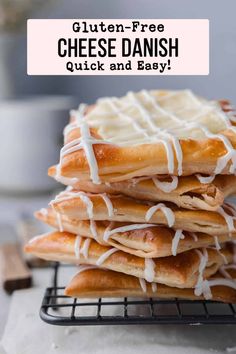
(58, 218)
(222, 282)
(64, 180)
(223, 270)
(194, 236)
(154, 287)
(170, 217)
(147, 126)
(77, 246)
(164, 137)
(84, 250)
(217, 245)
(203, 286)
(109, 205)
(106, 255)
(93, 229)
(143, 284)
(85, 142)
(178, 235)
(149, 270)
(166, 187)
(223, 256)
(79, 116)
(83, 268)
(178, 150)
(228, 219)
(85, 198)
(205, 180)
(199, 288)
(66, 195)
(108, 232)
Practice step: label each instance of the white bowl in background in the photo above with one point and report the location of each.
(30, 140)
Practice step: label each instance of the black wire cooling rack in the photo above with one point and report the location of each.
(58, 309)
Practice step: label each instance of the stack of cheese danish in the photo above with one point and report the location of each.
(144, 211)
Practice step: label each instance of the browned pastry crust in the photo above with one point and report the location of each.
(189, 194)
(122, 163)
(119, 163)
(126, 209)
(152, 242)
(180, 271)
(93, 283)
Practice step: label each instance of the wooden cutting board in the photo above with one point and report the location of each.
(14, 273)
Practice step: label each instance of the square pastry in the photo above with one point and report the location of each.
(149, 133)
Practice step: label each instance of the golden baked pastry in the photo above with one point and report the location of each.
(93, 283)
(183, 270)
(142, 240)
(189, 192)
(83, 206)
(149, 133)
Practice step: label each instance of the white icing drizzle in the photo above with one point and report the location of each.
(78, 117)
(64, 180)
(231, 154)
(108, 232)
(88, 203)
(33, 239)
(115, 110)
(66, 195)
(205, 180)
(109, 205)
(203, 286)
(166, 187)
(147, 117)
(194, 236)
(223, 282)
(223, 270)
(44, 211)
(170, 216)
(93, 229)
(228, 219)
(85, 142)
(82, 268)
(59, 222)
(58, 217)
(149, 130)
(106, 255)
(154, 287)
(200, 285)
(175, 141)
(149, 270)
(77, 246)
(85, 249)
(217, 245)
(225, 260)
(143, 284)
(177, 237)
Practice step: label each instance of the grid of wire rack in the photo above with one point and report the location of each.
(58, 309)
